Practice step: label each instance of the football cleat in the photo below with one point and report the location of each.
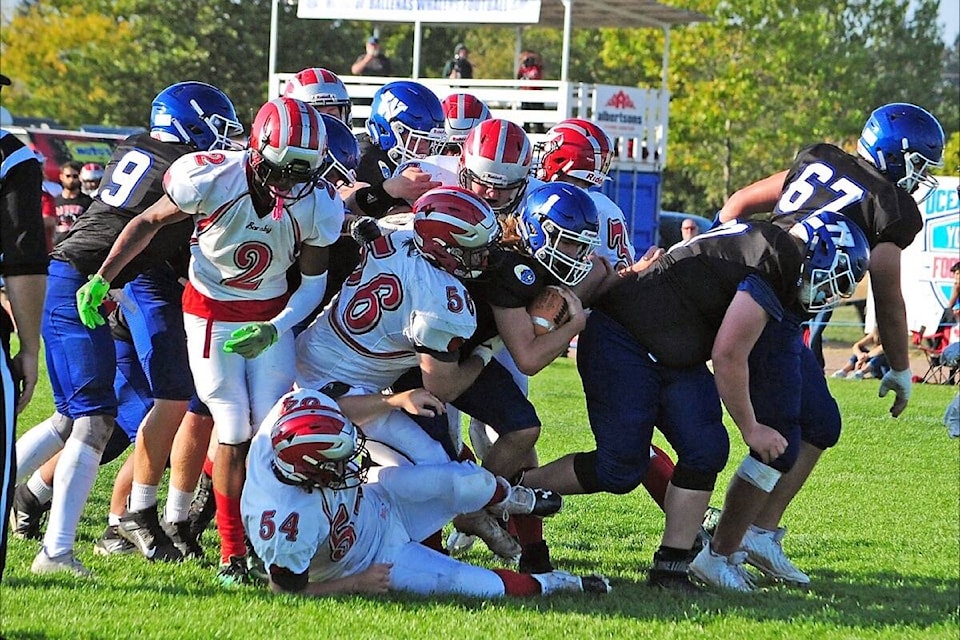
(111, 544)
(65, 562)
(458, 543)
(234, 572)
(142, 528)
(765, 552)
(525, 501)
(560, 581)
(179, 534)
(484, 526)
(27, 514)
(671, 575)
(725, 572)
(203, 508)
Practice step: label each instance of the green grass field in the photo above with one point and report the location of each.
(876, 528)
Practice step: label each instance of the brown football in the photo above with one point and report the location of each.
(548, 310)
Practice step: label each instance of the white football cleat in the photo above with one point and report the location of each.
(725, 572)
(765, 552)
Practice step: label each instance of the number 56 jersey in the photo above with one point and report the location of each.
(394, 305)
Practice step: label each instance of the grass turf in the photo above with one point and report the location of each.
(876, 528)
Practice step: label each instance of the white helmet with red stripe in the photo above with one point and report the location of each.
(288, 142)
(320, 88)
(455, 229)
(461, 113)
(577, 148)
(314, 444)
(497, 155)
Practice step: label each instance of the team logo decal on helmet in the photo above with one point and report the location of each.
(903, 142)
(456, 230)
(197, 114)
(406, 121)
(315, 445)
(560, 229)
(837, 256)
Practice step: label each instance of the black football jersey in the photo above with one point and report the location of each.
(674, 309)
(132, 182)
(375, 165)
(826, 178)
(511, 281)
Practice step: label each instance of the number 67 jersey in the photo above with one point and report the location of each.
(394, 305)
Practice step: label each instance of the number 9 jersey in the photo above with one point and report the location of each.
(132, 181)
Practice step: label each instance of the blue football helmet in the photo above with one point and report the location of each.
(340, 164)
(406, 120)
(197, 114)
(903, 141)
(560, 229)
(837, 256)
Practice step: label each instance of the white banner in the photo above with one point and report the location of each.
(429, 11)
(621, 111)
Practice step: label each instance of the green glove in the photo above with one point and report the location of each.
(251, 340)
(89, 298)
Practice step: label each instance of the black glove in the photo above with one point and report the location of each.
(364, 230)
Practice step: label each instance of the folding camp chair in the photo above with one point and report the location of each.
(932, 347)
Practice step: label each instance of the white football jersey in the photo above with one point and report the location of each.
(394, 304)
(300, 530)
(615, 243)
(236, 254)
(444, 169)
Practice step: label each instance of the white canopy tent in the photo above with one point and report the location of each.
(563, 14)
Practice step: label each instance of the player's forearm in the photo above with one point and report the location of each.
(891, 311)
(26, 294)
(759, 197)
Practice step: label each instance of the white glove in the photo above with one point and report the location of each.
(900, 382)
(487, 349)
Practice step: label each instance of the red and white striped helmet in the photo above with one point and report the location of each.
(320, 88)
(314, 444)
(455, 229)
(461, 113)
(288, 142)
(575, 147)
(497, 154)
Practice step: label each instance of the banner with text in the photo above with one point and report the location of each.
(429, 11)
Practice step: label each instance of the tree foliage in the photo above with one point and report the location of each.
(749, 88)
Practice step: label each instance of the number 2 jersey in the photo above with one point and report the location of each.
(237, 256)
(394, 305)
(826, 178)
(132, 181)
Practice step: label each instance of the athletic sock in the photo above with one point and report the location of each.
(76, 472)
(229, 526)
(42, 491)
(519, 585)
(178, 505)
(142, 497)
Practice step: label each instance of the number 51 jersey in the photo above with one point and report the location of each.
(394, 305)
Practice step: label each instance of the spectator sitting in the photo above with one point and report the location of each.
(950, 313)
(373, 62)
(459, 66)
(867, 359)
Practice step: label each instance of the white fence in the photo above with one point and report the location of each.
(537, 105)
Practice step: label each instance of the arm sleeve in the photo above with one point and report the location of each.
(24, 244)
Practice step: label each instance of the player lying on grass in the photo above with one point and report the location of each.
(321, 528)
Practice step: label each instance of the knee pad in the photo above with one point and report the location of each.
(685, 477)
(613, 475)
(93, 431)
(762, 476)
(61, 425)
(473, 486)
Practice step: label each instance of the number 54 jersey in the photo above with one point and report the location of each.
(394, 305)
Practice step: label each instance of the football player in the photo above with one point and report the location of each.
(321, 529)
(405, 306)
(642, 358)
(877, 190)
(323, 90)
(461, 113)
(256, 213)
(186, 117)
